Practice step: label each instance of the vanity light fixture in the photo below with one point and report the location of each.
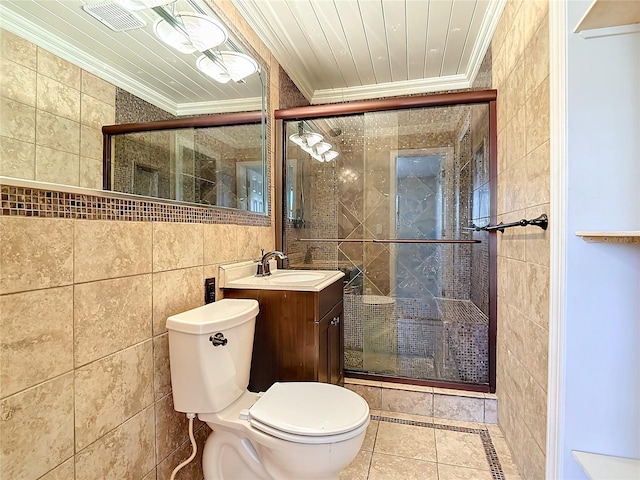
(173, 37)
(305, 139)
(313, 143)
(330, 155)
(203, 31)
(191, 32)
(320, 148)
(229, 65)
(325, 157)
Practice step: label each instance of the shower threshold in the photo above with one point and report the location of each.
(438, 402)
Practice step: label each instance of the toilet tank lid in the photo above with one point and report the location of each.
(214, 317)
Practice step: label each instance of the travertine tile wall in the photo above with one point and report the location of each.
(84, 355)
(521, 75)
(51, 113)
(85, 387)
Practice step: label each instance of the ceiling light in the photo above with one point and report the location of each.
(134, 5)
(231, 66)
(173, 37)
(330, 155)
(191, 32)
(321, 147)
(306, 139)
(203, 31)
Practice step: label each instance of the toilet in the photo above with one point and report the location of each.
(294, 430)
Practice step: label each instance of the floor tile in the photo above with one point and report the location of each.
(409, 447)
(452, 472)
(450, 446)
(460, 423)
(389, 467)
(359, 468)
(370, 438)
(504, 454)
(406, 441)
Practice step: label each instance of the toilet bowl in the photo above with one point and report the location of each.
(294, 430)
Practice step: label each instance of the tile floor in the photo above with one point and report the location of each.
(407, 447)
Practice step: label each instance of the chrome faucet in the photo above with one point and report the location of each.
(264, 269)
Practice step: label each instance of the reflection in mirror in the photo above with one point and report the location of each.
(73, 59)
(311, 147)
(220, 166)
(129, 49)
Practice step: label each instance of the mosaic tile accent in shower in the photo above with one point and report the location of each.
(399, 335)
(467, 337)
(33, 202)
(489, 449)
(480, 207)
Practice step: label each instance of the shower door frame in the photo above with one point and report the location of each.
(488, 97)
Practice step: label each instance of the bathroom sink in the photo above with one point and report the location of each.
(244, 277)
(286, 278)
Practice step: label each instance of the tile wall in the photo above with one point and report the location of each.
(84, 376)
(84, 360)
(520, 51)
(51, 113)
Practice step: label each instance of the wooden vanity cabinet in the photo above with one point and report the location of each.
(298, 335)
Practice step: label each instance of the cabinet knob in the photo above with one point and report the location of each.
(335, 321)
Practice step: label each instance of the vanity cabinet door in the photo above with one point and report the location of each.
(298, 335)
(329, 350)
(336, 356)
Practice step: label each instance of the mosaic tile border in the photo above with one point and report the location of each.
(489, 449)
(35, 202)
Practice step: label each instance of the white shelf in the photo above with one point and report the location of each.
(606, 467)
(628, 236)
(609, 13)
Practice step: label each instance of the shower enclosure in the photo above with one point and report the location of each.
(394, 207)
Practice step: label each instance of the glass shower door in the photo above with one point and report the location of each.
(421, 183)
(393, 211)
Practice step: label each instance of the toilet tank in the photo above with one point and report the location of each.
(206, 378)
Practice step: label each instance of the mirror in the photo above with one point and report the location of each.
(64, 68)
(217, 165)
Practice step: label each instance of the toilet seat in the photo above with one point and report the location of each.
(309, 412)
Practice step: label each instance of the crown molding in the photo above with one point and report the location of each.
(391, 89)
(485, 35)
(223, 106)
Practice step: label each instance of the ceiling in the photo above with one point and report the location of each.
(339, 50)
(134, 60)
(334, 50)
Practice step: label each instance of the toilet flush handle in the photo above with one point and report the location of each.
(218, 339)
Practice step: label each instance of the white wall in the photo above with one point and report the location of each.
(601, 393)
